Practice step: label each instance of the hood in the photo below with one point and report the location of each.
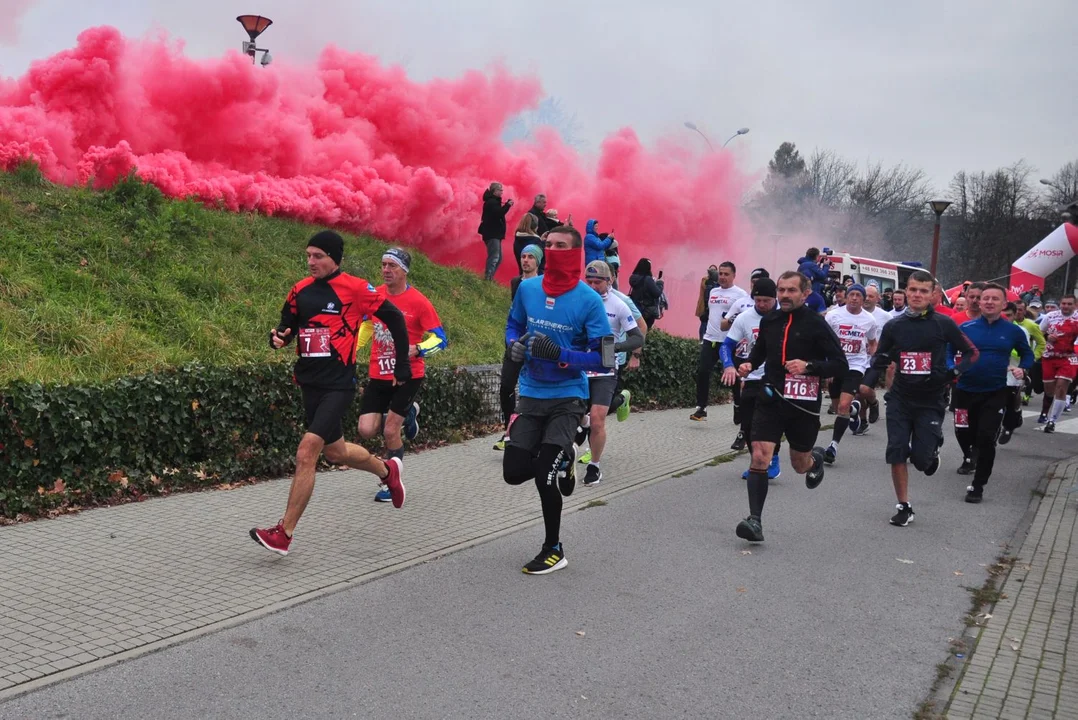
(590, 227)
(802, 260)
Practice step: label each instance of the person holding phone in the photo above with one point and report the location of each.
(492, 226)
(646, 291)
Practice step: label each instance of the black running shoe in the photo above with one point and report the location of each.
(874, 412)
(967, 467)
(547, 561)
(700, 414)
(593, 476)
(830, 454)
(1042, 419)
(831, 409)
(1005, 436)
(739, 442)
(814, 476)
(581, 435)
(750, 529)
(567, 474)
(934, 465)
(904, 516)
(1049, 427)
(737, 414)
(974, 495)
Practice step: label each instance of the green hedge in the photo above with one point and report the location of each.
(65, 446)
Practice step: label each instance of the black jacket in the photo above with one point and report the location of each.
(646, 291)
(545, 224)
(930, 333)
(492, 226)
(799, 335)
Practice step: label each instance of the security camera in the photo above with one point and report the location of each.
(266, 59)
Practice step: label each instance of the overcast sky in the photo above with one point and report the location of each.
(943, 86)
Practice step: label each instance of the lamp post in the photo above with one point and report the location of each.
(741, 131)
(692, 126)
(938, 206)
(255, 25)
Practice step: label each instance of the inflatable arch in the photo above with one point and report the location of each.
(1044, 258)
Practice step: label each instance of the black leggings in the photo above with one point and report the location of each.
(507, 390)
(709, 355)
(519, 466)
(984, 414)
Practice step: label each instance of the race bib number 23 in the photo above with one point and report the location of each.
(915, 363)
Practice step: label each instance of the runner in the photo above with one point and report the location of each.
(388, 405)
(324, 312)
(531, 257)
(799, 348)
(1059, 361)
(872, 306)
(858, 332)
(916, 403)
(1034, 378)
(557, 327)
(973, 302)
(602, 386)
(1012, 414)
(981, 396)
(746, 303)
(625, 362)
(719, 302)
(738, 346)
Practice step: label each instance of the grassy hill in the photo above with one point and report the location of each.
(97, 285)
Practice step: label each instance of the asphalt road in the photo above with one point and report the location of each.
(661, 613)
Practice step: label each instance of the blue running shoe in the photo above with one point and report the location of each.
(411, 423)
(745, 475)
(383, 494)
(775, 468)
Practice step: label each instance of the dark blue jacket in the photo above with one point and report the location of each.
(812, 270)
(594, 246)
(995, 342)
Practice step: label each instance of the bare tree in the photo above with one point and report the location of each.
(1062, 188)
(830, 178)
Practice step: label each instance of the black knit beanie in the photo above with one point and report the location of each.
(329, 242)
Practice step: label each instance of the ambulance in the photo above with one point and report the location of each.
(886, 274)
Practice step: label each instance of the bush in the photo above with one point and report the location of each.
(195, 426)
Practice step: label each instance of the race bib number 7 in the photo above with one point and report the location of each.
(802, 387)
(314, 342)
(915, 363)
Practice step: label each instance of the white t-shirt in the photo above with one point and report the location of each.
(882, 316)
(855, 332)
(739, 307)
(621, 321)
(744, 332)
(719, 303)
(896, 313)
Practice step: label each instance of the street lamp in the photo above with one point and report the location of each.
(1051, 184)
(741, 131)
(255, 25)
(692, 126)
(938, 206)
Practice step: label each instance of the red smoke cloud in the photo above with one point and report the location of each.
(354, 144)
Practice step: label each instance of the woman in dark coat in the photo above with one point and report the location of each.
(646, 291)
(492, 226)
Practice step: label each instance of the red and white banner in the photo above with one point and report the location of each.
(1044, 258)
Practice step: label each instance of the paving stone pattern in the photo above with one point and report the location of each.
(1025, 664)
(87, 587)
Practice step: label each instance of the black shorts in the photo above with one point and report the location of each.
(601, 390)
(546, 422)
(914, 428)
(851, 382)
(325, 411)
(381, 396)
(771, 419)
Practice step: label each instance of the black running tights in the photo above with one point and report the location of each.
(519, 466)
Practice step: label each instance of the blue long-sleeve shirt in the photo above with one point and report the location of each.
(576, 321)
(995, 341)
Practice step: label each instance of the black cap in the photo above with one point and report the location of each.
(759, 273)
(764, 287)
(329, 242)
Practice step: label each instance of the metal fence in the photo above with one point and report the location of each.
(489, 379)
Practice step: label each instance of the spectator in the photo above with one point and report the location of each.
(526, 235)
(814, 267)
(595, 246)
(886, 301)
(552, 218)
(542, 216)
(960, 305)
(847, 281)
(706, 283)
(492, 226)
(1032, 294)
(646, 291)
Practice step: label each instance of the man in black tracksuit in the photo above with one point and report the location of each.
(799, 348)
(917, 342)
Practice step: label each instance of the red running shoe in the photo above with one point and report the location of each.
(273, 538)
(393, 481)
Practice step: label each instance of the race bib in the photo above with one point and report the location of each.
(314, 342)
(802, 387)
(1073, 360)
(387, 364)
(961, 418)
(851, 346)
(915, 363)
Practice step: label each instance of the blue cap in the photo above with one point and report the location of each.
(856, 287)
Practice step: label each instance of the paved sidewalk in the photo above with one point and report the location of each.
(84, 591)
(1025, 664)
